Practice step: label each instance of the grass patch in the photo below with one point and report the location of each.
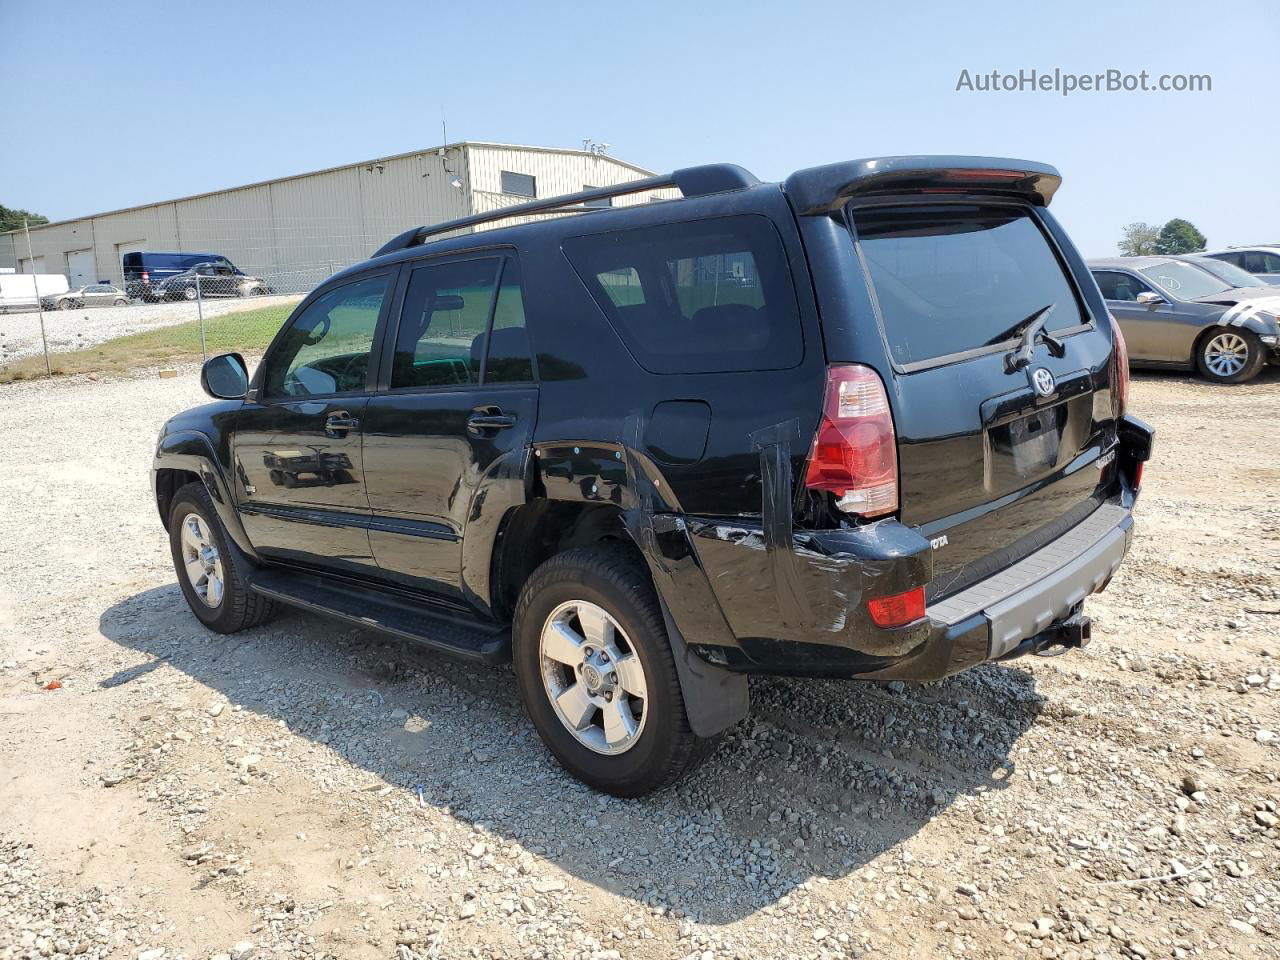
(247, 332)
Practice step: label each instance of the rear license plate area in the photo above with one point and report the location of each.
(1026, 447)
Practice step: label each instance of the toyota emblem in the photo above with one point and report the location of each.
(1043, 381)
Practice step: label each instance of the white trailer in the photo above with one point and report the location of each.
(18, 290)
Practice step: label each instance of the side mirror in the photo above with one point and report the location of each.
(225, 377)
(1150, 299)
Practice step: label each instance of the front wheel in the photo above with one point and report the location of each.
(66, 305)
(1230, 356)
(212, 576)
(596, 673)
(190, 293)
(120, 302)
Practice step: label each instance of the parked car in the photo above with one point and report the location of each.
(210, 280)
(1225, 272)
(144, 272)
(1262, 261)
(18, 291)
(900, 450)
(1176, 314)
(94, 295)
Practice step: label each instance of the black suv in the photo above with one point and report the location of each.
(865, 423)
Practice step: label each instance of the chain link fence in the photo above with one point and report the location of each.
(160, 310)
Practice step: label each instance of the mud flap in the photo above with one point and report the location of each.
(714, 698)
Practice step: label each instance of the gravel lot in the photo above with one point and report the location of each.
(76, 329)
(307, 790)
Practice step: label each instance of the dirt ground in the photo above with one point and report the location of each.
(308, 790)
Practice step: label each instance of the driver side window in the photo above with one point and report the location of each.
(1119, 286)
(326, 348)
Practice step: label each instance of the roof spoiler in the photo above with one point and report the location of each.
(822, 189)
(690, 181)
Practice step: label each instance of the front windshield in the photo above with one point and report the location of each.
(1228, 272)
(1182, 281)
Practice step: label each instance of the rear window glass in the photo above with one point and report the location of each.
(708, 296)
(955, 278)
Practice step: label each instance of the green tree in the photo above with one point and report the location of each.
(11, 219)
(1179, 236)
(1138, 240)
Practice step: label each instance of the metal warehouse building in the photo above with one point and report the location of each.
(298, 230)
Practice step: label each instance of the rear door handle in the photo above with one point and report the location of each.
(489, 418)
(339, 422)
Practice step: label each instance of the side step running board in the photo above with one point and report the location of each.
(416, 622)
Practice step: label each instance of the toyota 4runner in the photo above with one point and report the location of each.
(865, 423)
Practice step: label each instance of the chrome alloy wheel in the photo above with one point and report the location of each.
(593, 677)
(201, 560)
(1226, 354)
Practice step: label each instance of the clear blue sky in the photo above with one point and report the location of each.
(109, 105)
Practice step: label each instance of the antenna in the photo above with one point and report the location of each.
(444, 128)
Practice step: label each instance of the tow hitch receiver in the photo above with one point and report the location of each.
(1070, 633)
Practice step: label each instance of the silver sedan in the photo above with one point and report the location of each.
(94, 295)
(1176, 314)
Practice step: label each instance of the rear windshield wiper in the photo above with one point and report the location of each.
(1030, 328)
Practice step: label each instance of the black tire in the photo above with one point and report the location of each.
(613, 578)
(239, 608)
(1255, 357)
(190, 293)
(120, 302)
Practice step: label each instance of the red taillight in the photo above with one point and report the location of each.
(897, 610)
(855, 451)
(1120, 374)
(1137, 475)
(145, 276)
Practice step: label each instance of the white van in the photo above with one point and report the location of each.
(18, 290)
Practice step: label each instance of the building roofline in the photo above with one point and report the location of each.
(458, 145)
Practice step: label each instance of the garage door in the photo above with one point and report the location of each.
(25, 265)
(80, 271)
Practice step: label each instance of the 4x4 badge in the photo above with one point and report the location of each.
(1043, 382)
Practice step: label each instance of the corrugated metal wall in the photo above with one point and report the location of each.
(298, 231)
(556, 172)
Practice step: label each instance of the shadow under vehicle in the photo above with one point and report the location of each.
(812, 764)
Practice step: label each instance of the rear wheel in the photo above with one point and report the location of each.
(190, 293)
(1230, 356)
(211, 575)
(66, 305)
(120, 302)
(596, 673)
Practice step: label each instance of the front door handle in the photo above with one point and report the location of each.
(339, 422)
(489, 418)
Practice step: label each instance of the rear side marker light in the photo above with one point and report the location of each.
(898, 609)
(855, 451)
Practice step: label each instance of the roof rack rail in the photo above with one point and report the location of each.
(691, 181)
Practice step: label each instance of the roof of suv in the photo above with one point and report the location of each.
(811, 190)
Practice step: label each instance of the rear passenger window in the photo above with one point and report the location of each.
(443, 331)
(708, 296)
